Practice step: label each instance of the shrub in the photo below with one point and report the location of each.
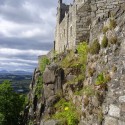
(113, 40)
(66, 112)
(104, 43)
(105, 29)
(95, 47)
(102, 79)
(112, 24)
(43, 62)
(77, 62)
(87, 90)
(39, 86)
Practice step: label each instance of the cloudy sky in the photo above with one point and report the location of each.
(26, 31)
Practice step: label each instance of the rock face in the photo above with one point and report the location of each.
(98, 104)
(53, 78)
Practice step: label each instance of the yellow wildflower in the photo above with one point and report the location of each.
(66, 108)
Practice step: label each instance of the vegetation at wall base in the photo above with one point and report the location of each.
(66, 112)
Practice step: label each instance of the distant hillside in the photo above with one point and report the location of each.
(17, 72)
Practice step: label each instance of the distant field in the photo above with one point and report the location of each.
(20, 83)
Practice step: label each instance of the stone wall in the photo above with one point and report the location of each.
(79, 19)
(83, 22)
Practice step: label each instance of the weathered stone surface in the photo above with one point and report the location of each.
(122, 99)
(48, 76)
(121, 122)
(48, 92)
(110, 121)
(114, 111)
(95, 101)
(50, 122)
(52, 100)
(70, 77)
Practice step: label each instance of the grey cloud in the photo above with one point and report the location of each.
(42, 15)
(21, 43)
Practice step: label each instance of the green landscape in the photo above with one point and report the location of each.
(20, 83)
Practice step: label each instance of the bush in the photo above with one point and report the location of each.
(112, 24)
(105, 29)
(104, 43)
(43, 62)
(66, 112)
(39, 86)
(94, 47)
(102, 79)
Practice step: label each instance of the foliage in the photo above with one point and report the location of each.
(94, 47)
(104, 43)
(43, 62)
(83, 51)
(66, 112)
(39, 86)
(87, 90)
(105, 29)
(11, 104)
(102, 79)
(112, 24)
(77, 62)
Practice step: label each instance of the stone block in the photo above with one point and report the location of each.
(121, 122)
(122, 99)
(48, 76)
(114, 111)
(110, 121)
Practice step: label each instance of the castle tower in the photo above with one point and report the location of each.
(59, 2)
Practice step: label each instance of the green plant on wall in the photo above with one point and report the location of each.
(66, 112)
(83, 52)
(39, 86)
(94, 47)
(43, 62)
(112, 24)
(77, 61)
(102, 79)
(105, 29)
(104, 43)
(87, 90)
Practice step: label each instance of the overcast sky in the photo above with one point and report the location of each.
(26, 31)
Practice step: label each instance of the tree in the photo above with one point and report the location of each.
(11, 104)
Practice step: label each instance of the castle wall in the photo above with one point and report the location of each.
(66, 31)
(79, 20)
(72, 27)
(83, 22)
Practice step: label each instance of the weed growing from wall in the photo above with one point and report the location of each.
(66, 112)
(94, 47)
(43, 62)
